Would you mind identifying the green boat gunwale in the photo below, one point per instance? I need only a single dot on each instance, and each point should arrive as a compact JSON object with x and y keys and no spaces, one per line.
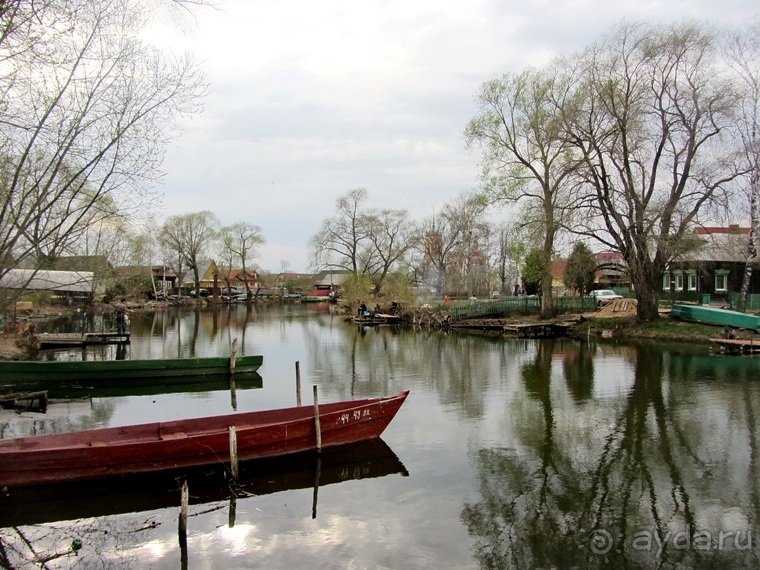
{"x":24,"y":370}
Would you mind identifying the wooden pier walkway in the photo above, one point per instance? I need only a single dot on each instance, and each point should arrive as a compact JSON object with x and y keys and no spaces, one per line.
{"x":12,"y":400}
{"x":546,"y":329}
{"x":543,"y":329}
{"x":737,"y":346}
{"x":75,"y":339}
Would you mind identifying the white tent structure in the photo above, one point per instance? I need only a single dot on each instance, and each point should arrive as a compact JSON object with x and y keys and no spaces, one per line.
{"x":68,"y":283}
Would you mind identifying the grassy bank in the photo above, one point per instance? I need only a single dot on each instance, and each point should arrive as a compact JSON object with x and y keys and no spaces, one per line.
{"x":664,"y":329}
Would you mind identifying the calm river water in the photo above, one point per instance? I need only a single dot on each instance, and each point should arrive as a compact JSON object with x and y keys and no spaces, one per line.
{"x":507,"y":454}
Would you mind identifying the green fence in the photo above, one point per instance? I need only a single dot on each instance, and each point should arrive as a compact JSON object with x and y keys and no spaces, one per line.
{"x":520,"y":305}
{"x":753,"y":302}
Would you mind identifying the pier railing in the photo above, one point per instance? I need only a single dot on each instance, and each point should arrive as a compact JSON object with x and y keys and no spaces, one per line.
{"x":520,"y":305}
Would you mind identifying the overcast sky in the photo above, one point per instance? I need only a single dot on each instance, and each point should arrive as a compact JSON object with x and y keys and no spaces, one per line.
{"x":308,"y":100}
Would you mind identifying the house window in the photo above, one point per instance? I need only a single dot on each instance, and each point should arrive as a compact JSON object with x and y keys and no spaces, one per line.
{"x":721,"y":280}
{"x":679,"y":280}
{"x":691,"y":277}
{"x":666,"y":282}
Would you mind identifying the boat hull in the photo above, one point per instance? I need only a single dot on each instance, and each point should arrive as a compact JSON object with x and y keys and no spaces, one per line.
{"x":169,"y":445}
{"x":95,"y":370}
{"x":722,"y":317}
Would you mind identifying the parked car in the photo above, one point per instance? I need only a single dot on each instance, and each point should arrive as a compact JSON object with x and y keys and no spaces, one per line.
{"x":201,"y":292}
{"x":604,"y":296}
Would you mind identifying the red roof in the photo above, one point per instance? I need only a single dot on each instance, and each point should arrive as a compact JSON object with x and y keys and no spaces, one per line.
{"x":558,"y":268}
{"x":608,"y":256}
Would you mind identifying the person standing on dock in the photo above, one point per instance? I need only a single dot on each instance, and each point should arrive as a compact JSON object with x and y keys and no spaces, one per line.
{"x":121,"y":316}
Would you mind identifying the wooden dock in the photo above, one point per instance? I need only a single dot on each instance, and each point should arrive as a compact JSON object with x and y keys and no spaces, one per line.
{"x":377,"y":319}
{"x":737,"y":346}
{"x":75,"y":339}
{"x":546,"y":329}
{"x":12,"y":400}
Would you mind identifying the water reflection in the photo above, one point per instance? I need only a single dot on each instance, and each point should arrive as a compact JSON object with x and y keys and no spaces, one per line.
{"x":665,"y":475}
{"x":208,"y":484}
{"x":521,"y":453}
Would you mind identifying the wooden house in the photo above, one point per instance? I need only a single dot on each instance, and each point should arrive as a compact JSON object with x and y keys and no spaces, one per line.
{"x":236,"y":279}
{"x":209,"y":276}
{"x":145,"y":279}
{"x":712,"y":267}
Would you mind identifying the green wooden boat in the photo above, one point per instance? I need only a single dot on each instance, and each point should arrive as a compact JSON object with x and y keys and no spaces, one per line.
{"x":721,"y":317}
{"x":93,"y":371}
{"x":120,"y":387}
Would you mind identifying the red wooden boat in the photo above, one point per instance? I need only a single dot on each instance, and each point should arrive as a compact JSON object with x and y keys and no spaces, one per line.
{"x":168,"y":445}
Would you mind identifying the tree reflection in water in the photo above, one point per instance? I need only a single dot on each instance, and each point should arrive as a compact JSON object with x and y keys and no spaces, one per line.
{"x":648,"y":479}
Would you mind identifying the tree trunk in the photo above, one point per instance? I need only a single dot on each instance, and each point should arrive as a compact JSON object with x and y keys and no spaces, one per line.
{"x":751,"y":246}
{"x":645,"y":278}
{"x":197,"y":282}
{"x":248,"y":292}
{"x":547,"y":302}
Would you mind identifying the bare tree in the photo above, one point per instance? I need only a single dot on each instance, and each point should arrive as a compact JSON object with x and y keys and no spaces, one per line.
{"x":511,"y":244}
{"x":242,"y":239}
{"x":87,"y":110}
{"x":651,"y":121}
{"x":339,"y":242}
{"x":391,"y":235}
{"x":189,"y":237}
{"x":448,"y":239}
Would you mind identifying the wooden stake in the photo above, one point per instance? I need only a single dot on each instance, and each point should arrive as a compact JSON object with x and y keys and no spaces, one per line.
{"x":233,"y":356}
{"x":234,"y":453}
{"x":317,"y":425}
{"x":298,"y":383}
{"x":317,"y":474}
{"x":233,"y":511}
{"x":185,"y":500}
{"x":233,"y":392}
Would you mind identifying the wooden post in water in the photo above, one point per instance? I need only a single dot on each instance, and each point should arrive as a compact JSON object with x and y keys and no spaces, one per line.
{"x":182,"y":532}
{"x":233,"y":356}
{"x":234,"y":453}
{"x":317,"y":425}
{"x":184,"y":501}
{"x":298,"y":383}
{"x":317,"y":474}
{"x":233,"y":510}
{"x":233,"y":392}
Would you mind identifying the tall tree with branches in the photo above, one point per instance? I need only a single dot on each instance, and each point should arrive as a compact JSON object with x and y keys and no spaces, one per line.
{"x":526,"y":156}
{"x":189,"y":237}
{"x":390,"y":235}
{"x":742,"y":52}
{"x":652,"y":123}
{"x":447,"y":238}
{"x":87,"y":110}
{"x":243,"y":239}
{"x":339,"y":242}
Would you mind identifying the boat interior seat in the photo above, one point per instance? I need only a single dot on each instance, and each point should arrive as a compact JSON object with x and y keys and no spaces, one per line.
{"x":174,"y":435}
